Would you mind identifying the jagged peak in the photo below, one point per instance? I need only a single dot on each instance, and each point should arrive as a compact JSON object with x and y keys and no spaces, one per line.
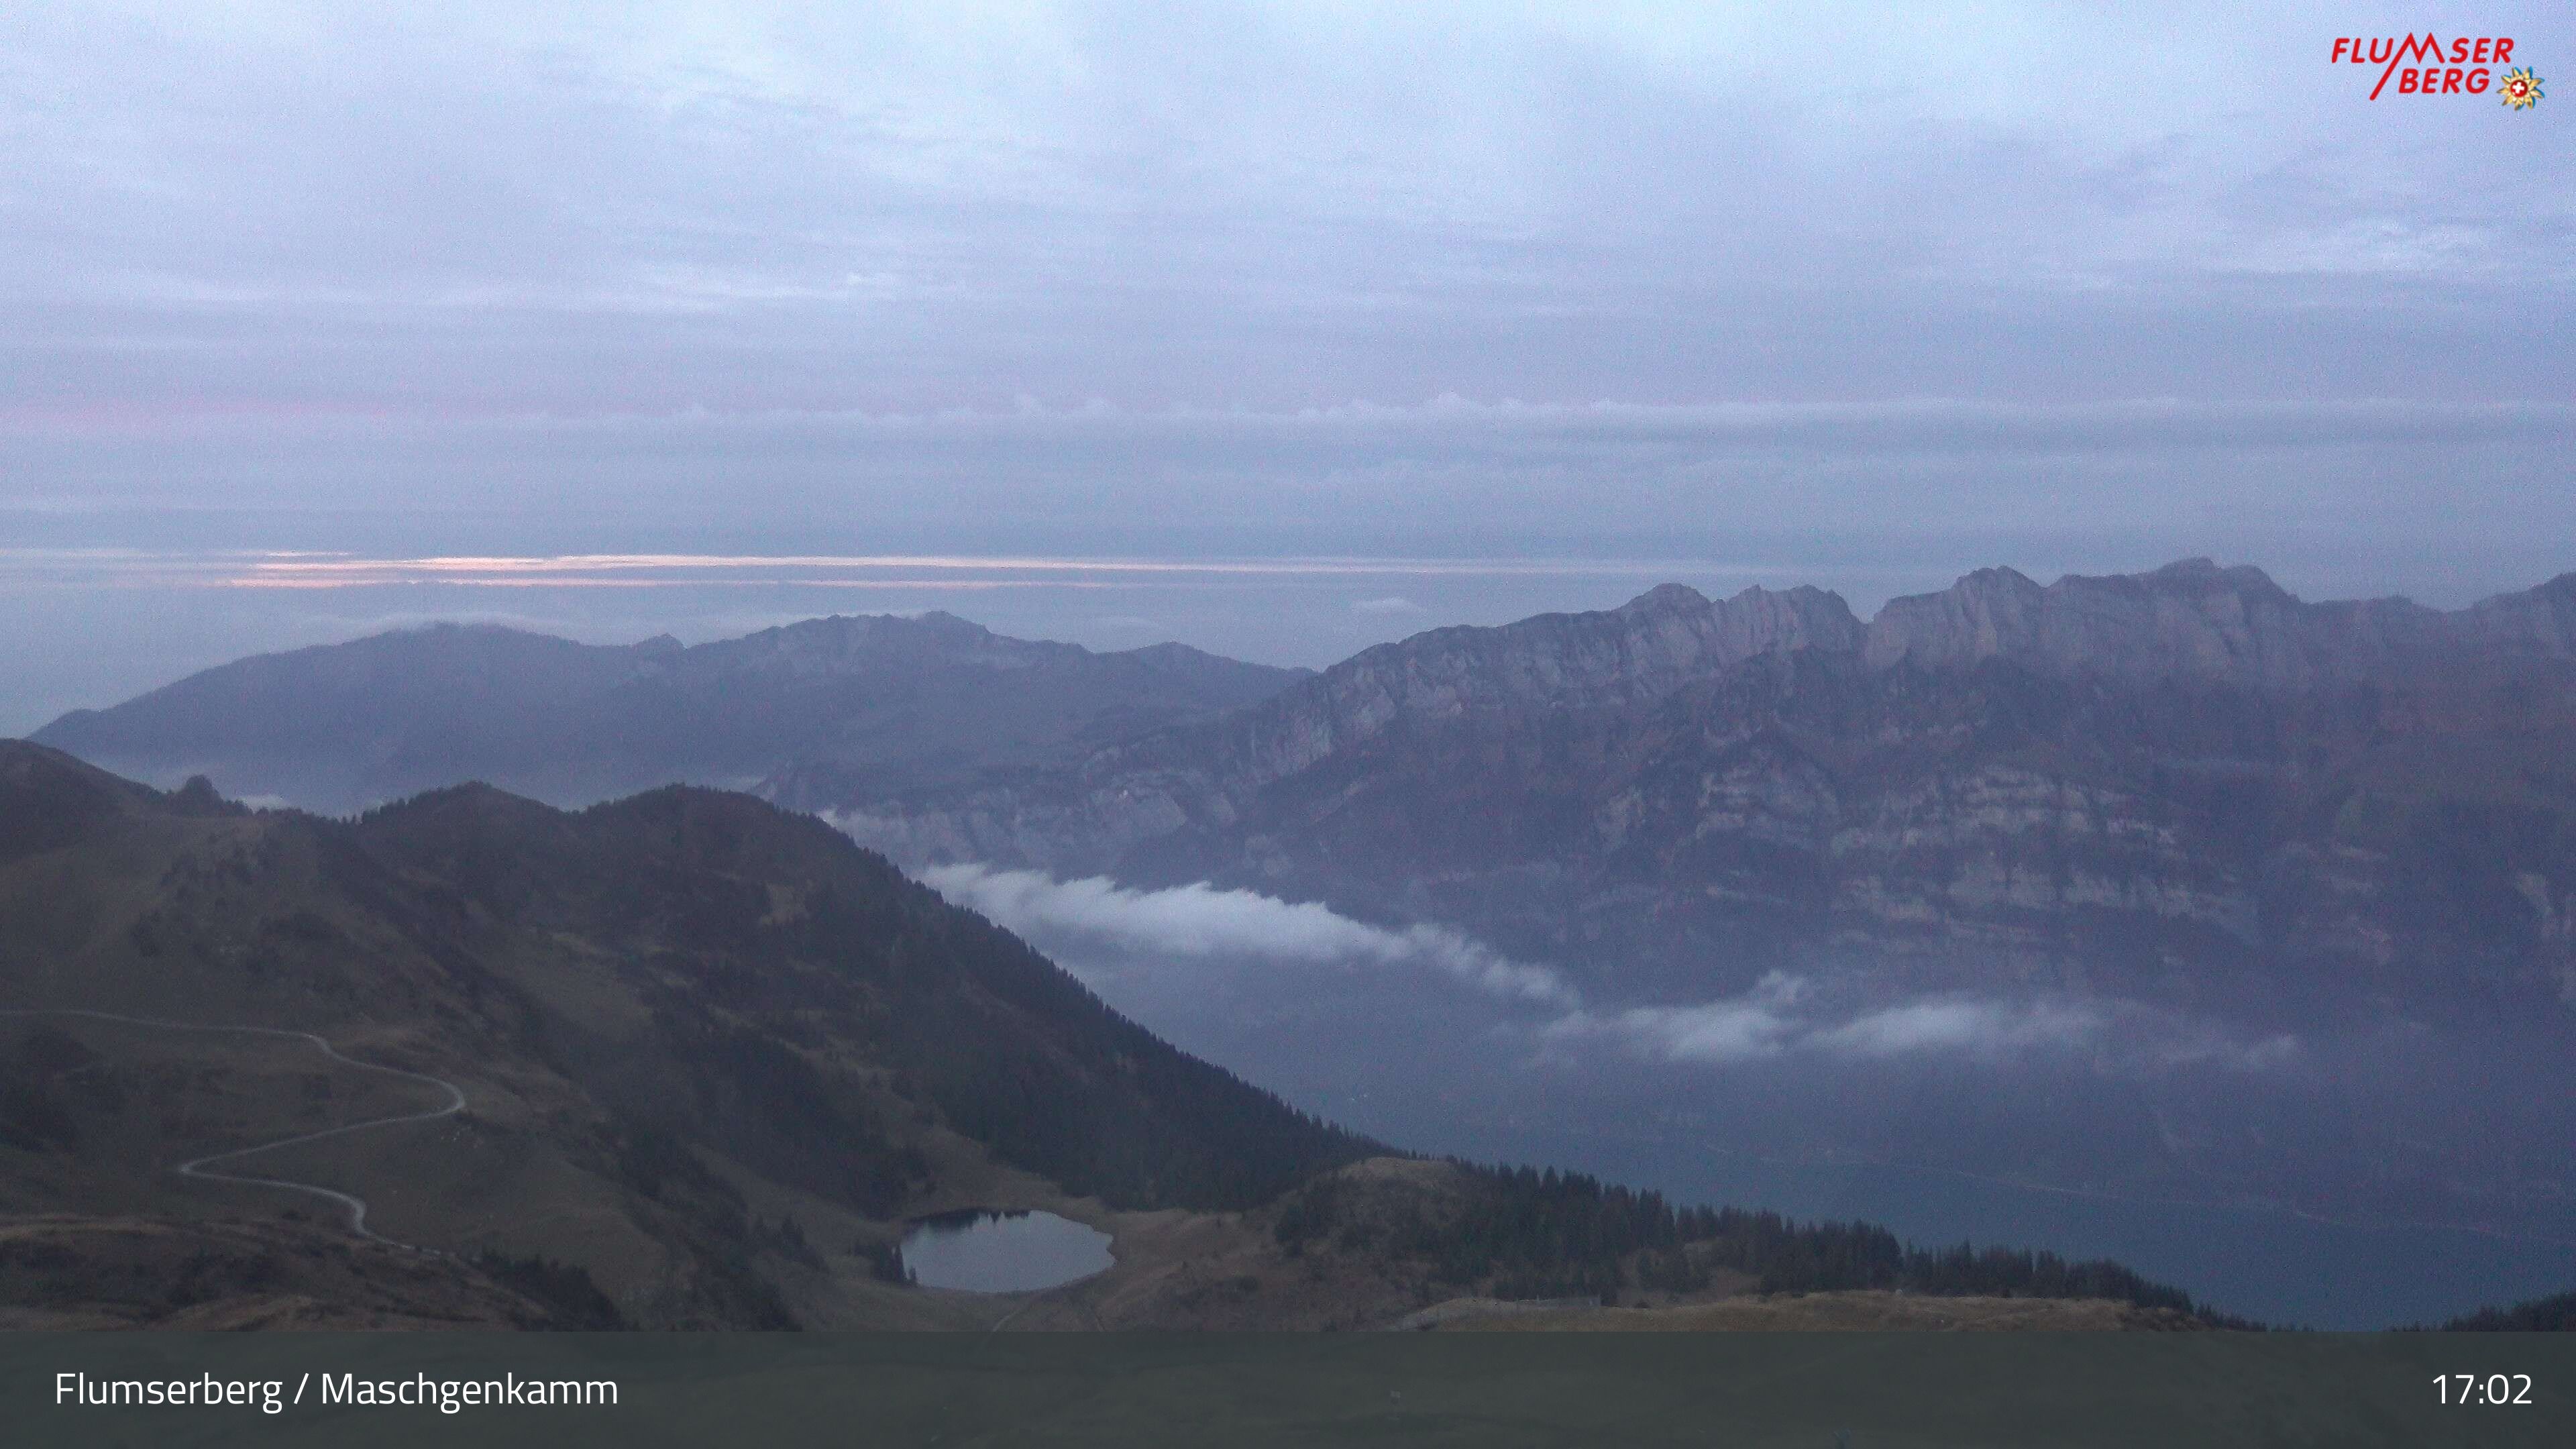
{"x":1765,"y":621}
{"x":2244,"y":578}
{"x":2199,"y":565}
{"x":2198,"y":572}
{"x":1992,"y":577}
{"x":1803,"y":598}
{"x":1801,"y":592}
{"x":1665,"y":598}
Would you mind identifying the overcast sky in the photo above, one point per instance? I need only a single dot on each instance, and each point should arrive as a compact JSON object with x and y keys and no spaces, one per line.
{"x":1569,"y":299}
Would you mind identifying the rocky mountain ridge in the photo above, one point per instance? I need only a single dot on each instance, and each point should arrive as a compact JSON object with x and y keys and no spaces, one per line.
{"x":2184,"y":783}
{"x":2196,"y":621}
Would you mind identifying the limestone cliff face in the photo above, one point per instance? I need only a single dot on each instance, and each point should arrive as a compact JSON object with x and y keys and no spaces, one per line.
{"x":1989,"y":613}
{"x":1206,"y":778}
{"x":1641,"y":651}
{"x":2537,"y":622}
{"x":2187,"y":784}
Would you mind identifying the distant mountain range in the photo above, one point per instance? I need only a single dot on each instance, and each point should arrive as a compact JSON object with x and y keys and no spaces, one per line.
{"x":2186,"y":786}
{"x":879,"y":702}
{"x":2183,"y":785}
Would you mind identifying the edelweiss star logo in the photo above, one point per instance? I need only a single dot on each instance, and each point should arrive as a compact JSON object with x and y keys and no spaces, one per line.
{"x":2520,"y":88}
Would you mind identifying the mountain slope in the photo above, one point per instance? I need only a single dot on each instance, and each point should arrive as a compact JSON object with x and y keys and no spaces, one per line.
{"x":886,"y":700}
{"x":672,"y":1018}
{"x":714,"y":1058}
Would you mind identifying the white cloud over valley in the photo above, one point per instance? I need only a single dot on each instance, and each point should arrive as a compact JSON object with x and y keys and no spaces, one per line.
{"x":1783,"y":1015}
{"x":1200,"y":920}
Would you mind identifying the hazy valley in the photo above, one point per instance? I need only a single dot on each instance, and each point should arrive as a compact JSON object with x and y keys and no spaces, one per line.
{"x":711,"y":1060}
{"x":2154,"y":889}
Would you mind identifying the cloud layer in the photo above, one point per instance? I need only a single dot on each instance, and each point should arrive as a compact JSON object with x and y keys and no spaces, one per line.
{"x":1834,"y":294}
{"x":1198,"y":920}
{"x":1784,"y":1015}
{"x":796,"y":205}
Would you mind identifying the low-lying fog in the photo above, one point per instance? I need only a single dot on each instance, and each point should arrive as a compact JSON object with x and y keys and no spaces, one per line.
{"x":2343,"y":1177}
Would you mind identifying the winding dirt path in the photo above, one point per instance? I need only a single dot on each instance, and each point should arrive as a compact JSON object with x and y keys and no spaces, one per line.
{"x":201,"y":1168}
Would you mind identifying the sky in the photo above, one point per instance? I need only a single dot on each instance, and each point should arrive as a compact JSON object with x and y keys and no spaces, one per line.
{"x":1326,"y":323}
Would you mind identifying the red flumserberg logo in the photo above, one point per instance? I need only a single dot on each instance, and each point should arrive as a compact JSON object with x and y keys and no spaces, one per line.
{"x":2427,"y":65}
